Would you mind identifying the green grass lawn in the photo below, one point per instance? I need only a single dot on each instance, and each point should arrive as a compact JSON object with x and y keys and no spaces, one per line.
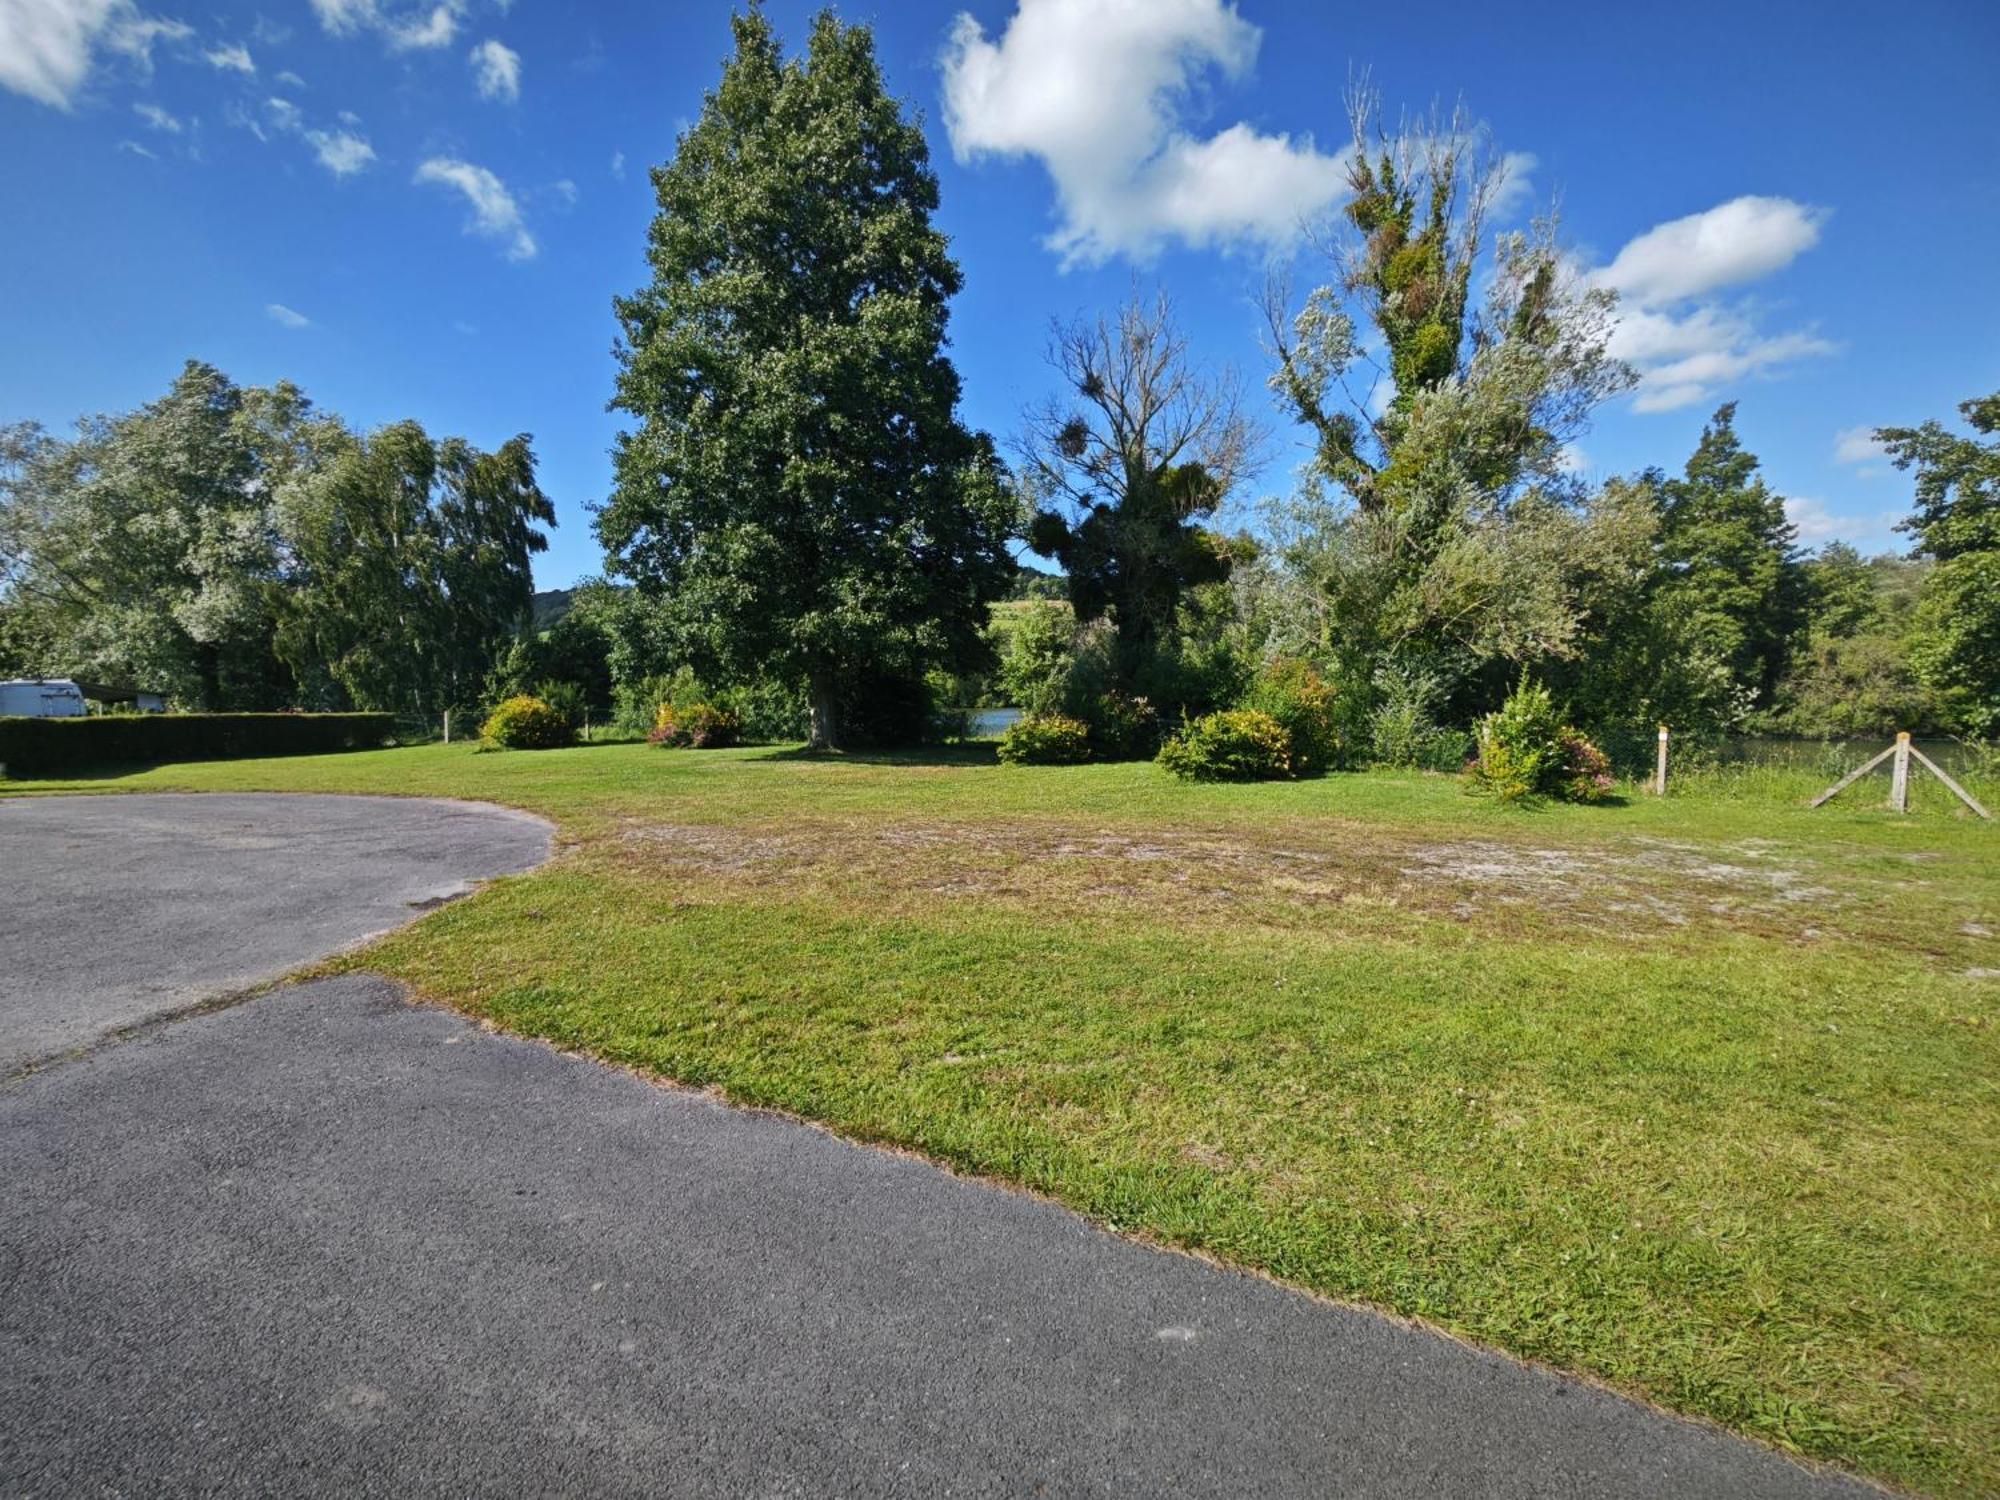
{"x":1699,"y":1096}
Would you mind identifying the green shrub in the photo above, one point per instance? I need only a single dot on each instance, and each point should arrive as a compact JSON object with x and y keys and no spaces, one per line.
{"x":1295,"y":694}
{"x":1240,"y":744}
{"x":1525,"y":750}
{"x":1045,"y":740}
{"x":567,"y":698}
{"x":524,"y":723}
{"x":695,"y":726}
{"x":1122,"y":728}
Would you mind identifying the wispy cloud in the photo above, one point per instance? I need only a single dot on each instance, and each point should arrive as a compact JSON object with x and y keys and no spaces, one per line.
{"x":232,"y":57}
{"x":1858,"y":446}
{"x":285,"y":317}
{"x":157,"y":118}
{"x":1685,"y":341}
{"x":403,"y":31}
{"x":48,"y":47}
{"x":618,"y":165}
{"x":341,"y":152}
{"x":1096,"y":90}
{"x":495,"y":213}
{"x":496,"y":69}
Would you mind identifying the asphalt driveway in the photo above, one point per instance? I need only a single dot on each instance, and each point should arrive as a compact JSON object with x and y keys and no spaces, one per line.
{"x":117,"y":909}
{"x":330,"y":1242}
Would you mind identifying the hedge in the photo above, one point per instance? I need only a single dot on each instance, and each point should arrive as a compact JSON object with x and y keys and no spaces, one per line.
{"x":37,"y":747}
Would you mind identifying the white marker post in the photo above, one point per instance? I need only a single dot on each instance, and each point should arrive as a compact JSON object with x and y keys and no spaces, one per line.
{"x":1660,"y":769}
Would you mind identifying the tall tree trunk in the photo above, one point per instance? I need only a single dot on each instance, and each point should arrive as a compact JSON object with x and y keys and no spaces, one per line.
{"x":825,"y":733}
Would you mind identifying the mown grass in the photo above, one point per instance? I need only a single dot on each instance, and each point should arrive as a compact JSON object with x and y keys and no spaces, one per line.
{"x":1696,"y":1096}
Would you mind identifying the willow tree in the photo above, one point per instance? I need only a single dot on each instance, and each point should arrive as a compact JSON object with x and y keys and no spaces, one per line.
{"x":799,"y":498}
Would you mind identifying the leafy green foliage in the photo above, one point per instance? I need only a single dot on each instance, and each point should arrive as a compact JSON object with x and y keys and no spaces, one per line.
{"x":1525,"y":750}
{"x":1732,"y":565}
{"x":1955,"y":649}
{"x":1957,"y":507}
{"x":233,"y":549}
{"x":1304,"y":704}
{"x":1239,"y":744}
{"x":525,"y":723}
{"x":799,"y":498}
{"x":695,"y":725}
{"x":1045,"y":740}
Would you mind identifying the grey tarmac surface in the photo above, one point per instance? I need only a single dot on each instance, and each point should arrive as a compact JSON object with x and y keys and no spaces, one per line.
{"x":328,"y":1242}
{"x":117,"y":909}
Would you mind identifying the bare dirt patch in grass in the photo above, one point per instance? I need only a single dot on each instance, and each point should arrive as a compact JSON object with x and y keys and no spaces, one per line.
{"x":1638,"y":889}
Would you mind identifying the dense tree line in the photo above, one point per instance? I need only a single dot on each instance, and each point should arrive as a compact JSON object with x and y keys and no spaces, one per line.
{"x":801,"y":523}
{"x":235,"y":548}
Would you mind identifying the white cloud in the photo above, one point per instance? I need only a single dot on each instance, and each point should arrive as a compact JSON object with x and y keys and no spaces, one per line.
{"x":157,"y":118}
{"x":284,"y":317}
{"x":423,"y":32}
{"x":1857,"y":445}
{"x":284,"y":114}
{"x":230,"y":58}
{"x":1817,"y":524}
{"x":291,"y":79}
{"x":341,"y":152}
{"x":1686,"y":344}
{"x":495,"y":213}
{"x":1096,"y":89}
{"x":47,"y":46}
{"x":1734,"y":242}
{"x":345,"y":17}
{"x":137,"y":150}
{"x":412,"y":31}
{"x":618,"y":165}
{"x":496,"y":68}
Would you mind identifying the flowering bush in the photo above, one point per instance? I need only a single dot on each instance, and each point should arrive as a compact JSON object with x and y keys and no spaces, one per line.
{"x":1293,"y":693}
{"x":524,"y":723}
{"x":1586,"y":770}
{"x":1045,"y":740}
{"x":1242,"y":744}
{"x":694,"y":726}
{"x":1525,"y":750}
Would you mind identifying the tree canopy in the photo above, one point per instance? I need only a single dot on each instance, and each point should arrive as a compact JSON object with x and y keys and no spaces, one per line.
{"x":798,"y":495}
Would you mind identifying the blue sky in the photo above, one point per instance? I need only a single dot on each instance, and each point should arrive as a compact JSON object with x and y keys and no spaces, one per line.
{"x":424,"y":209}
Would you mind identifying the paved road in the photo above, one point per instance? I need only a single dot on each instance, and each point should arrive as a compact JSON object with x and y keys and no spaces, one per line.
{"x":328,"y":1242}
{"x":117,"y":909}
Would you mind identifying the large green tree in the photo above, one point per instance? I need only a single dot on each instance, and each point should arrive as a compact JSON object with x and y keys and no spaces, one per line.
{"x":799,"y":496}
{"x":1956,"y":520}
{"x":1733,"y":560}
{"x":408,"y":569}
{"x":143,"y":552}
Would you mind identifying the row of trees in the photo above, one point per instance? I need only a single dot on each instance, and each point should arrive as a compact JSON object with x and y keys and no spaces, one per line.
{"x":800,"y":516}
{"x":799,"y":497}
{"x":239,"y":550}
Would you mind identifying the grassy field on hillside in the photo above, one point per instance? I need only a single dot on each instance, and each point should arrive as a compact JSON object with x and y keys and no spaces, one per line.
{"x":1699,"y":1096}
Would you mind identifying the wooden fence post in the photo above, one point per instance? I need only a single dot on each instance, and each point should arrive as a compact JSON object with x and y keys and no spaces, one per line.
{"x":1660,"y":769}
{"x":447,"y":726}
{"x":1899,"y":774}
